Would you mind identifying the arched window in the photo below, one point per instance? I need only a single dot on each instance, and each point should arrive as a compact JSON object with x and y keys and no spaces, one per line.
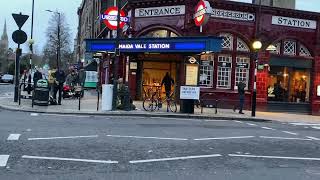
{"x":224,"y":64}
{"x":291,"y":48}
{"x":159,"y":33}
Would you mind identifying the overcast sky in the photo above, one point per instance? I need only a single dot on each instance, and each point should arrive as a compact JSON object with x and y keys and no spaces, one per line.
{"x":69,"y":7}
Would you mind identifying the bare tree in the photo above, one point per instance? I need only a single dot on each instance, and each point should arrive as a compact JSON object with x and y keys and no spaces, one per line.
{"x":52,"y":44}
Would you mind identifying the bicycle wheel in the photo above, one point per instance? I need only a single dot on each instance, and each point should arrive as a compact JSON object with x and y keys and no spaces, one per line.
{"x":149,"y":104}
{"x":172,"y":105}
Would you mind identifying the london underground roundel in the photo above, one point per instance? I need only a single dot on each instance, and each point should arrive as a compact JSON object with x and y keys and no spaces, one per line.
{"x":202,"y":13}
{"x":110,"y":18}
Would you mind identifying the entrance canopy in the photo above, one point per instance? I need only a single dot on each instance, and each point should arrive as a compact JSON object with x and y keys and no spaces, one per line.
{"x":157,"y":45}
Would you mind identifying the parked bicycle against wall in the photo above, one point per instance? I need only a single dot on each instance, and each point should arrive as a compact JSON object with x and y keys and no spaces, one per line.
{"x":153,"y":100}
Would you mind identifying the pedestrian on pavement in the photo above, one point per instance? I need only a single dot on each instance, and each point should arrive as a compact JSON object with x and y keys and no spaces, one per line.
{"x":241,"y":86}
{"x":60,"y":79}
{"x":36,"y":77}
{"x":167,"y":81}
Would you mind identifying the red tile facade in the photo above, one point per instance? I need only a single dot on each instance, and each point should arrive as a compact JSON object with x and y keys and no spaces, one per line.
{"x":248,"y":31}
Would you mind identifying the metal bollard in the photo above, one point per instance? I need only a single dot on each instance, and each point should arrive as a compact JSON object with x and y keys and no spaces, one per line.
{"x":127,"y":104}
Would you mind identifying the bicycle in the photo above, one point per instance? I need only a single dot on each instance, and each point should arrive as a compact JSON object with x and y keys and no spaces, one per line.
{"x":155,"y":101}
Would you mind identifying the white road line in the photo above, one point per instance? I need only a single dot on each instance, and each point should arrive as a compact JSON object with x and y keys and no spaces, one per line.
{"x":34,"y":114}
{"x":313,"y":138}
{"x":67,"y":137}
{"x":70,"y":159}
{"x":285,"y":138}
{"x":267,"y":128}
{"x":275,"y":157}
{"x":3,"y":160}
{"x":305,"y":124}
{"x":14,"y":137}
{"x":65,"y":115}
{"x":175,"y":158}
{"x":288,"y":132}
{"x":316,"y":127}
{"x":221,"y":138}
{"x":216,"y":120}
{"x":239,"y":122}
{"x":250,"y":124}
{"x":143,"y":137}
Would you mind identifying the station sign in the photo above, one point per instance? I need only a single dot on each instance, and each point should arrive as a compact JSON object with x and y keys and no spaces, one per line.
{"x":202,"y":13}
{"x":294,"y":22}
{"x":233,"y":15}
{"x":110,"y":17}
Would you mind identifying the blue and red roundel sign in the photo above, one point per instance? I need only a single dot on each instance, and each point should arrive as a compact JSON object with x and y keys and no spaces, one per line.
{"x":110,"y":18}
{"x":202,"y":13}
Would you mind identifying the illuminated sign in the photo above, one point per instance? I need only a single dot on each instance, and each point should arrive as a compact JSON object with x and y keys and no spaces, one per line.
{"x":160,"y":11}
{"x":202,"y":13}
{"x":110,"y":18}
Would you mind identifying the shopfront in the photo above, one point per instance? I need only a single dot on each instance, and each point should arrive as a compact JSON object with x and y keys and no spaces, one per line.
{"x":150,"y":59}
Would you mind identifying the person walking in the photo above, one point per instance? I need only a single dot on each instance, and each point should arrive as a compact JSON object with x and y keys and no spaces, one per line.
{"x":60,"y":79}
{"x":36,"y":77}
{"x":241,"y":86}
{"x":167,"y":81}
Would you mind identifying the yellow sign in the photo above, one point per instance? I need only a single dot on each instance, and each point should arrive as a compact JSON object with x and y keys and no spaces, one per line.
{"x":192,"y":74}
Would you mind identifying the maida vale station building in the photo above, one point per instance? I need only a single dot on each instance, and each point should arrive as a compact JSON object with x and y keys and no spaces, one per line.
{"x":288,"y":66}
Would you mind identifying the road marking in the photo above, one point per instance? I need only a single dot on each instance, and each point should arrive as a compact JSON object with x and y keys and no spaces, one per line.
{"x":285,"y":138}
{"x":67,"y":137}
{"x":250,"y":124}
{"x":176,"y":119}
{"x":239,"y":122}
{"x":275,"y":157}
{"x":34,"y":114}
{"x":143,"y":137}
{"x":288,"y":132}
{"x":216,"y":120}
{"x":65,"y":115}
{"x":3,"y":160}
{"x":316,"y":127}
{"x":313,"y":138}
{"x":14,"y":137}
{"x":70,"y":159}
{"x":175,"y":158}
{"x":267,"y":128}
{"x":305,"y":124}
{"x":221,"y":138}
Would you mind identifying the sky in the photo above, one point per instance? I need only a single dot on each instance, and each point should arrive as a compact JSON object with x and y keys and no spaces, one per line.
{"x":69,"y":7}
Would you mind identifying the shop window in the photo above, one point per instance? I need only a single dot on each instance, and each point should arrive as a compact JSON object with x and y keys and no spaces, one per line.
{"x":304,"y":51}
{"x":289,"y":47}
{"x":224,"y":71}
{"x":277,"y":50}
{"x":206,"y":70}
{"x":227,"y":41}
{"x":242,"y":70}
{"x":242,"y":46}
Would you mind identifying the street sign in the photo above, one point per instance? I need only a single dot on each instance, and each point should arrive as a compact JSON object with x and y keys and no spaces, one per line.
{"x":19,"y":37}
{"x":20,"y":19}
{"x":110,"y":17}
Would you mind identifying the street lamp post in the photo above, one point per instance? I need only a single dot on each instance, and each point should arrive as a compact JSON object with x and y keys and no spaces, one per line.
{"x":31,"y":41}
{"x":257,"y":45}
{"x":58,"y":43}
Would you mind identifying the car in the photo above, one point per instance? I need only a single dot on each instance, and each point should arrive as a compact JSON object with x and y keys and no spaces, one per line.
{"x":7,"y":78}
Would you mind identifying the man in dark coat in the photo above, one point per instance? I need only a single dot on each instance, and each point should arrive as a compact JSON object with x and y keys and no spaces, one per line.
{"x":167,"y":81}
{"x":241,"y":90}
{"x":60,"y":79}
{"x":36,"y":77}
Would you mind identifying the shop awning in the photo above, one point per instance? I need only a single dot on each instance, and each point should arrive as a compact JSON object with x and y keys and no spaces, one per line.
{"x":291,"y":62}
{"x":157,"y":45}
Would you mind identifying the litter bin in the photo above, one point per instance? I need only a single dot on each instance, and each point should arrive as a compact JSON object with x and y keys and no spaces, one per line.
{"x":187,"y":106}
{"x":41,"y":93}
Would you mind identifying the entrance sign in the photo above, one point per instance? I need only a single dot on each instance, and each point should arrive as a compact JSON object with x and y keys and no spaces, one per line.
{"x":190,"y":92}
{"x":202,"y":13}
{"x":110,"y":18}
{"x":294,"y":22}
{"x":160,"y":11}
{"x":166,"y":45}
{"x":234,"y":15}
